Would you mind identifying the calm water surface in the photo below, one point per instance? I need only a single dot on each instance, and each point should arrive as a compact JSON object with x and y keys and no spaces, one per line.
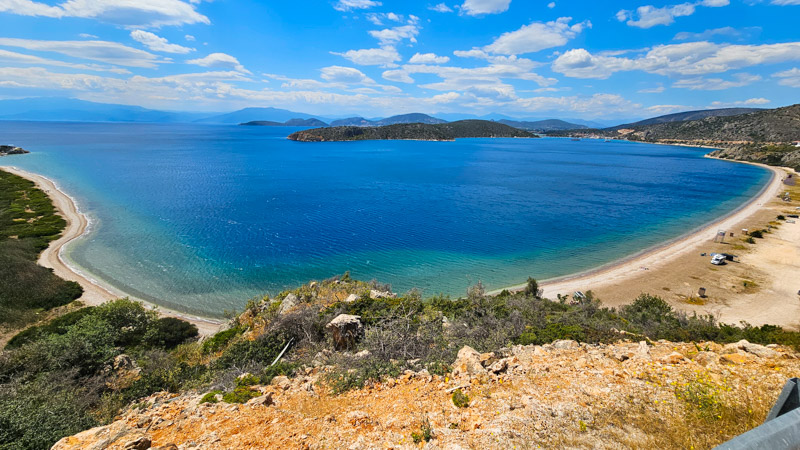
{"x":200,"y":218}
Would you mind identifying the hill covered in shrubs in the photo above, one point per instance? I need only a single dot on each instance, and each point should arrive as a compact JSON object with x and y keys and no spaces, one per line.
{"x":412,"y":131}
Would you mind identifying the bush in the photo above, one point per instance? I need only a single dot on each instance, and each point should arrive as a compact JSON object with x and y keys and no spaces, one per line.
{"x":781,"y":217}
{"x":221,"y":340}
{"x":757,"y":234}
{"x":211,"y":397}
{"x":240,"y":394}
{"x":169,"y":332}
{"x":460,"y":399}
{"x":59,"y":325}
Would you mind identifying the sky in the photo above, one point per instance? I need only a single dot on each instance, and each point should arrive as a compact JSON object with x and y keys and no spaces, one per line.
{"x":522,"y":58}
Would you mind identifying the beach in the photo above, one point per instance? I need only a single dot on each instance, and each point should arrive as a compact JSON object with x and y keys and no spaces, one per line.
{"x":94,"y":293}
{"x":676,"y":270}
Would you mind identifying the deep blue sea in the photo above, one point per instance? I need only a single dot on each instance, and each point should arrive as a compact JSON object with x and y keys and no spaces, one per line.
{"x":201,"y":218}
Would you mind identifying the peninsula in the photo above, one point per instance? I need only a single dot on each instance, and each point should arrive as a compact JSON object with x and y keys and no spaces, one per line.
{"x":6,"y":150}
{"x":412,"y":131}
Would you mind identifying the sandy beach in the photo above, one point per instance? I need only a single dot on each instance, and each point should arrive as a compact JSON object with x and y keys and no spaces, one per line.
{"x":94,"y":293}
{"x":675,"y":270}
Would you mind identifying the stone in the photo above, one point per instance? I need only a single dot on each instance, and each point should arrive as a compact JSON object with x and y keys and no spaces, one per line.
{"x":169,"y":446}
{"x":499,"y":366}
{"x":357,"y":418}
{"x":363,"y":354}
{"x":705,"y":359}
{"x":643,"y":350}
{"x":346,"y":330}
{"x":735,"y":358}
{"x":468,"y":362}
{"x":264,"y":400}
{"x":673,"y":358}
{"x":755,"y":349}
{"x":140,"y":443}
{"x":289,"y":302}
{"x":282,"y":382}
{"x":565,"y":344}
{"x":374,"y":294}
{"x":351,"y":298}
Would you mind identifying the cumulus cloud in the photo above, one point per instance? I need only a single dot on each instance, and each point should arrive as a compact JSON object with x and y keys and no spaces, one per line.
{"x":537,"y":36}
{"x":716,"y":84}
{"x":219,"y":61}
{"x":481,"y":7}
{"x":104,"y":51}
{"x":428,"y":58}
{"x":441,"y":7}
{"x":551,"y":5}
{"x":347,"y":5}
{"x":21,"y":58}
{"x":789,"y":77}
{"x":728,"y":32}
{"x":399,"y":76}
{"x":383,"y":56}
{"x":157,"y":43}
{"x":691,"y":58}
{"x":389,"y":36}
{"x":348,"y":75}
{"x":189,"y":38}
{"x":649,"y":16}
{"x":139,"y":13}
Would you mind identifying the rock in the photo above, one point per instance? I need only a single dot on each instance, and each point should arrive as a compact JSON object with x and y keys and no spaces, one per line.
{"x":643,"y":350}
{"x":282,"y":382}
{"x":755,"y":349}
{"x":11,"y":150}
{"x":140,"y":443}
{"x":289,"y":302}
{"x":264,"y":400}
{"x":468,"y":362}
{"x":346,"y":330}
{"x":363,"y":354}
{"x":673,"y":358}
{"x":735,"y":358}
{"x":622,"y":354}
{"x":169,"y":446}
{"x":565,"y":344}
{"x":706,"y":358}
{"x":499,"y":366}
{"x":357,"y":418}
{"x":351,"y":298}
{"x":373,"y":294}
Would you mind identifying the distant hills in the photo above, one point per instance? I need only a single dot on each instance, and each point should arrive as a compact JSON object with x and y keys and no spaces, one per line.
{"x":57,"y":109}
{"x":542,"y":125}
{"x":289,"y":123}
{"x":255,"y":115}
{"x":408,"y":131}
{"x":403,"y":118}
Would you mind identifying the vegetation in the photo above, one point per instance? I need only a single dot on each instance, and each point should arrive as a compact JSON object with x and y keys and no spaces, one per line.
{"x":28,"y":223}
{"x":460,"y":399}
{"x":421,"y":131}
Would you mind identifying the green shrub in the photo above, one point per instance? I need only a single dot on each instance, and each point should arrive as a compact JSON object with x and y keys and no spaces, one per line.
{"x":240,"y":394}
{"x":247,"y":380}
{"x":220,"y":340}
{"x":781,"y":217}
{"x":211,"y":397}
{"x":424,"y":434}
{"x":757,"y":234}
{"x":460,"y":399}
{"x":280,"y":368}
{"x":750,"y":240}
{"x":169,"y":332}
{"x":59,"y":325}
{"x":356,"y":374}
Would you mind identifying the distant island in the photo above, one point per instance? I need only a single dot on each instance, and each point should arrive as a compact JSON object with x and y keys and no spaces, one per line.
{"x":6,"y":150}
{"x":412,"y":131}
{"x":289,"y":123}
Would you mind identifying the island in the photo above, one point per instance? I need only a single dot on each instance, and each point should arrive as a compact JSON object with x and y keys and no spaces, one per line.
{"x":412,"y":131}
{"x":6,"y":150}
{"x":288,"y":123}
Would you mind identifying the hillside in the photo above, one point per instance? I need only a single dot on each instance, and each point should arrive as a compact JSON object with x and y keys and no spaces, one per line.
{"x":690,"y":115}
{"x":394,"y":120}
{"x":289,"y":123}
{"x":73,"y":110}
{"x":417,"y":131}
{"x":542,"y":125}
{"x":255,"y":114}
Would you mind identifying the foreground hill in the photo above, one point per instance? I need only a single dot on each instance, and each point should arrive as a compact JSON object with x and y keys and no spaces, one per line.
{"x":690,"y":115}
{"x":412,"y":131}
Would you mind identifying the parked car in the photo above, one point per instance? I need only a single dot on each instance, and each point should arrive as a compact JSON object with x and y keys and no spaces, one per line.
{"x":718,"y":259}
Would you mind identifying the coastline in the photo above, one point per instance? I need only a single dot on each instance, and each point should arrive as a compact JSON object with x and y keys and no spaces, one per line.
{"x":661,"y":254}
{"x":78,"y":225}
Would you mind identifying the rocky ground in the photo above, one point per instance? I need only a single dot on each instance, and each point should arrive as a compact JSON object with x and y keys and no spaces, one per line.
{"x":564,"y":394}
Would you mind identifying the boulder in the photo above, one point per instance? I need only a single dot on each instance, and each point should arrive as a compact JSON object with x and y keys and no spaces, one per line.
{"x":282,"y":382}
{"x":755,"y":349}
{"x":565,"y":344}
{"x":264,"y":400}
{"x":705,"y":359}
{"x":673,"y":358}
{"x":351,"y":298}
{"x":735,"y":358}
{"x":140,"y":443}
{"x":374,"y":294}
{"x":643,"y":350}
{"x":346,"y":330}
{"x":289,"y":302}
{"x":468,"y":363}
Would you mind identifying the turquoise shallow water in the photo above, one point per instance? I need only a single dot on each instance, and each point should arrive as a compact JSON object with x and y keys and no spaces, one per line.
{"x":200,"y":218}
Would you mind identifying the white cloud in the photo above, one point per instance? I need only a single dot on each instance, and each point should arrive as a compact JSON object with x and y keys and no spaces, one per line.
{"x":654,"y":90}
{"x":428,"y":58}
{"x":219,"y":61}
{"x":716,"y":84}
{"x":537,"y":36}
{"x":480,"y":7}
{"x":441,"y":7}
{"x":785,"y":2}
{"x":346,"y":75}
{"x":394,"y":35}
{"x":789,"y":77}
{"x":649,"y":16}
{"x":551,"y":5}
{"x":347,"y":5}
{"x":749,"y":102}
{"x":104,"y":51}
{"x":384,"y":56}
{"x":87,"y":36}
{"x":730,"y":32}
{"x":399,"y":76}
{"x":20,"y":58}
{"x":157,"y":43}
{"x":691,"y":58}
{"x":378,"y":18}
{"x":138,"y":13}
{"x":189,"y":38}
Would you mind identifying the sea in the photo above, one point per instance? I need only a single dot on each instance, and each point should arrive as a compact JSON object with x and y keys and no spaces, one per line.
{"x":201,"y":218}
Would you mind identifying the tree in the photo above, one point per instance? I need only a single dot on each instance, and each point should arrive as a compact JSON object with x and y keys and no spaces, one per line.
{"x":532,"y":289}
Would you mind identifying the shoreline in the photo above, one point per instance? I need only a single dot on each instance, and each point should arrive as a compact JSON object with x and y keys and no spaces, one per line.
{"x":663,"y":253}
{"x":79,"y":225}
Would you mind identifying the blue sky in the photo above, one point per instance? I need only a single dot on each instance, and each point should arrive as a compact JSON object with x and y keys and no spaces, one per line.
{"x":581,"y":59}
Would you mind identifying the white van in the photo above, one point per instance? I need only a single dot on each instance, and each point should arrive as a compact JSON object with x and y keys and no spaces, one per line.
{"x":717,"y":259}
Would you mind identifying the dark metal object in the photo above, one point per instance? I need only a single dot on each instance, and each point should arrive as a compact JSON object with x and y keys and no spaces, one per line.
{"x":781,"y":429}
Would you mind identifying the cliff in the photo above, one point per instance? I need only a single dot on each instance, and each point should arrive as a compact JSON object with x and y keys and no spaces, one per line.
{"x":416,"y":131}
{"x":11,"y":150}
